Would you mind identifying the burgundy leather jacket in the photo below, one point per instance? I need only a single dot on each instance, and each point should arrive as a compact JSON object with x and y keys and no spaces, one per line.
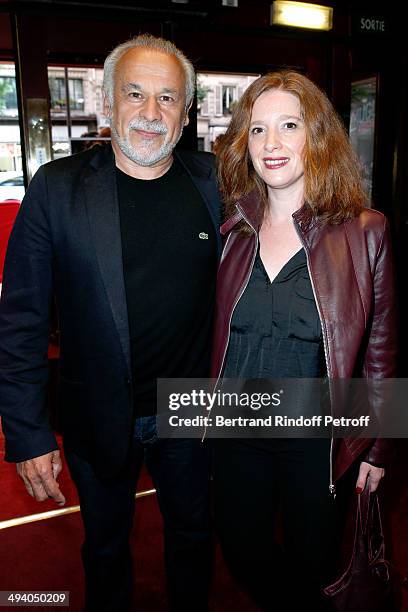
{"x":351,"y":271}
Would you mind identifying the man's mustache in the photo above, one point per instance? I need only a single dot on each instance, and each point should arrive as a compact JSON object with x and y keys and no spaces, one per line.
{"x":157,"y":127}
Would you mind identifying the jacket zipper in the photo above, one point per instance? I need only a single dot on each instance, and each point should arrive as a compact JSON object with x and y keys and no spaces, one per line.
{"x":233,"y":309}
{"x":332,"y":486}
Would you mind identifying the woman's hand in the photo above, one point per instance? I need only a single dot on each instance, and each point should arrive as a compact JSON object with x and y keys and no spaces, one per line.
{"x":370,"y":472}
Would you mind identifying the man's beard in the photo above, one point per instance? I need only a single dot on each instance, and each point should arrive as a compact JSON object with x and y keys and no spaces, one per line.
{"x":145,"y":154}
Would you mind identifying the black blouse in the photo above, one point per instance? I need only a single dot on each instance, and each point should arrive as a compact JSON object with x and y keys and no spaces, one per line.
{"x":275,"y":328}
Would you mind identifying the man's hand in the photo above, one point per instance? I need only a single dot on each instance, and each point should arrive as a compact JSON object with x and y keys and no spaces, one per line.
{"x":40,"y":477}
{"x":368,"y":474}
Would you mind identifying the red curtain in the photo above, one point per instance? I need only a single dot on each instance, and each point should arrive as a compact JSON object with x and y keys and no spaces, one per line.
{"x":8,"y":212}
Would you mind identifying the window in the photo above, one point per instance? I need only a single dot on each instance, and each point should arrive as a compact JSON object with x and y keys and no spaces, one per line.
{"x":8,"y":94}
{"x":58,"y":93}
{"x":73,"y":124}
{"x":10,"y":149}
{"x":217,"y":95}
{"x":229,"y":95}
{"x":76,"y":94}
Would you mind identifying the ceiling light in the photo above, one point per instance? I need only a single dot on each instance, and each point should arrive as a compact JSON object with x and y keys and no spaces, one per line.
{"x":301,"y":15}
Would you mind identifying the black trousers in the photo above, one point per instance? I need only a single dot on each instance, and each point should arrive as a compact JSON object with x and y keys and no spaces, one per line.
{"x":278,"y":525}
{"x":180,"y":472}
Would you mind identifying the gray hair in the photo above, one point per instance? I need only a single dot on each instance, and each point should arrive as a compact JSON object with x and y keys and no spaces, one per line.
{"x":147,"y":41}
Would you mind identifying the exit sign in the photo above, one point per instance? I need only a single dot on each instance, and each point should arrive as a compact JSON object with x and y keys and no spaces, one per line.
{"x":370,"y":24}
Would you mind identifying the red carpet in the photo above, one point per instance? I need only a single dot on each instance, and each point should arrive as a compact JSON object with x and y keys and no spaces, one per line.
{"x":45,"y":555}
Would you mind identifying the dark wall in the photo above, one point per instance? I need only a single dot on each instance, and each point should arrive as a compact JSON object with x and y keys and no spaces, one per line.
{"x":6,"y":41}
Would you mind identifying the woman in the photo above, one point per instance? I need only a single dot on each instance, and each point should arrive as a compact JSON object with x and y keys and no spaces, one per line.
{"x":305,"y":291}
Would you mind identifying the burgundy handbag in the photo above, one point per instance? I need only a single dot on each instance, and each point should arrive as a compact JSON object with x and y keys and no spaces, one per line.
{"x":366,"y":583}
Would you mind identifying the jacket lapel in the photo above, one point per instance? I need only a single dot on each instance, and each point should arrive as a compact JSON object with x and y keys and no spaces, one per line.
{"x":203,"y":177}
{"x":103,"y":212}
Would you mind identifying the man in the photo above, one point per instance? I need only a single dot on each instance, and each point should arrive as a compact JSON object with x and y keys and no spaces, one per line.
{"x":127,"y":241}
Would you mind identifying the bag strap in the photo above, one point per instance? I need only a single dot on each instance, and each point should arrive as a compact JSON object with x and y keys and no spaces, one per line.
{"x":370,"y":517}
{"x":363,"y":543}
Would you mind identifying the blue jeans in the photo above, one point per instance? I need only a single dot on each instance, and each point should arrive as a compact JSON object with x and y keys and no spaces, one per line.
{"x":180,"y":472}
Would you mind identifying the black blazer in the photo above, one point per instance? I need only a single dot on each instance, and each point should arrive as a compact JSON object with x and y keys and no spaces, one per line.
{"x":66,"y":241}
